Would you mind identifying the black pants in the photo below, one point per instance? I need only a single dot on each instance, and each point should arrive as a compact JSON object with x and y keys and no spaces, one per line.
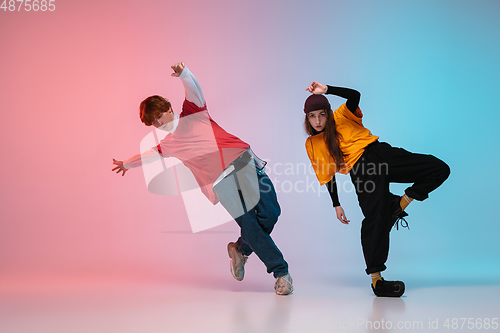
{"x":380,"y":165}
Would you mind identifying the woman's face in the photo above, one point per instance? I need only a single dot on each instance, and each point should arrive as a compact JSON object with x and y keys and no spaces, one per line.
{"x":317,"y":119}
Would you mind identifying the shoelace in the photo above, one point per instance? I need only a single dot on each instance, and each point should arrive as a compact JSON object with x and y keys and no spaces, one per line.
{"x":404,"y":223}
{"x":244,"y":261}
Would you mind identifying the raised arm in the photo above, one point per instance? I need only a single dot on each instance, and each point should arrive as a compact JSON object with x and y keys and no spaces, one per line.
{"x":194,"y":94}
{"x":352,"y":96}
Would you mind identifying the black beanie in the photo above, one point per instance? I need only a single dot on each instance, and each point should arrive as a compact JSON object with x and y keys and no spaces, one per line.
{"x":316,"y":102}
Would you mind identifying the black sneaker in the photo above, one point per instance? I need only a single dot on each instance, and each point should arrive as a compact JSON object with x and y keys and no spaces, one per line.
{"x":398,"y":215}
{"x":385,"y":288}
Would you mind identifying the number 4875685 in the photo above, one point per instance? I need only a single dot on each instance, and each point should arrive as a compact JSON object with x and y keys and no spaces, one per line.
{"x":28,"y":5}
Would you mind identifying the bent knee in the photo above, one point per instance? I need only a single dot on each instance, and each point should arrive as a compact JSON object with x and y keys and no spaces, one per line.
{"x":445,"y":170}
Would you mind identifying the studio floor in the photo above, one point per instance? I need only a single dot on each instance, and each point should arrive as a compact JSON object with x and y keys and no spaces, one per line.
{"x":118,"y":306}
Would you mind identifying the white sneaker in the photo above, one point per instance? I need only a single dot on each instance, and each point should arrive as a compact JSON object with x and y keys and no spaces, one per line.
{"x":283,"y":285}
{"x":238,"y":261}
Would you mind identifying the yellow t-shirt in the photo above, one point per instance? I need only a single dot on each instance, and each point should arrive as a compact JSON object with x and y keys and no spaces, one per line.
{"x":354,"y":138}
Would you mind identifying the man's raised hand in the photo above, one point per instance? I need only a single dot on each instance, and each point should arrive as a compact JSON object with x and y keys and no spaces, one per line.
{"x":178,"y":68}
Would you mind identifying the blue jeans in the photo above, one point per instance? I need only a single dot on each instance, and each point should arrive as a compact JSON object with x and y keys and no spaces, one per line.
{"x":256,"y":223}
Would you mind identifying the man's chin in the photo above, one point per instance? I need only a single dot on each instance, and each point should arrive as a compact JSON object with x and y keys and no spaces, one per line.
{"x":166,"y":127}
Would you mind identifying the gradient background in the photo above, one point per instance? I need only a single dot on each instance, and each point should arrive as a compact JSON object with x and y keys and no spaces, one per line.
{"x":72,"y":81}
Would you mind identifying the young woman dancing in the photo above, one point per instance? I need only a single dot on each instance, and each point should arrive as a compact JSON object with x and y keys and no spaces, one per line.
{"x":338,"y":142}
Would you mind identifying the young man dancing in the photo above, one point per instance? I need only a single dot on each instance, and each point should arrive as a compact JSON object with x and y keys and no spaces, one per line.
{"x":225,"y":169}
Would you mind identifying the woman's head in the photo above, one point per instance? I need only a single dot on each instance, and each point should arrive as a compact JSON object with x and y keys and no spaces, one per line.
{"x":316,"y":121}
{"x":319,"y":114}
{"x":319,"y":119}
{"x":316,"y":109}
{"x":316,"y":102}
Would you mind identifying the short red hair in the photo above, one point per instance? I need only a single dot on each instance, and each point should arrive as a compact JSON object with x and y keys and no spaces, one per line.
{"x":152,"y":108}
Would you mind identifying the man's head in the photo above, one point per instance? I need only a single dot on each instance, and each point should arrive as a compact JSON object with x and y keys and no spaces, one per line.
{"x":156,"y":111}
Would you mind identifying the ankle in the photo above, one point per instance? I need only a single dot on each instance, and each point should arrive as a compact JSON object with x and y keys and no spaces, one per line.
{"x":405,"y":201}
{"x":375,"y":277}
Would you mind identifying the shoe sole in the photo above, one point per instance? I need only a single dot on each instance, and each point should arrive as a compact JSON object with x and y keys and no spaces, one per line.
{"x":284,"y":294}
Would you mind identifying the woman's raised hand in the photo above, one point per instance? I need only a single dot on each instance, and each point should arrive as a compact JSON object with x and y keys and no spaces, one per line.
{"x":317,"y":88}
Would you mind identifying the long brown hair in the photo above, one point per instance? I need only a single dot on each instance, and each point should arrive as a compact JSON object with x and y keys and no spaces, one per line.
{"x":331,"y":136}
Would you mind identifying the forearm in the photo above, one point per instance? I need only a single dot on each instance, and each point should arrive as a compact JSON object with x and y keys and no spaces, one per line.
{"x":352,"y":96}
{"x":332,"y":190}
{"x":194,"y":94}
{"x":138,"y":160}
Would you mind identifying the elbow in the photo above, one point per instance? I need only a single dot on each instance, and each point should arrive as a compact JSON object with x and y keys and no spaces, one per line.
{"x":356,"y":95}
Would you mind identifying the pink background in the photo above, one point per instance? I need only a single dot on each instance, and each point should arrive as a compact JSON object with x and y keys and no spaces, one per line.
{"x":72,"y":81}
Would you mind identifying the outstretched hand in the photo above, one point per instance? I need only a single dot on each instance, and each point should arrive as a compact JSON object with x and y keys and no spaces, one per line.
{"x":341,"y":215}
{"x":178,"y":68}
{"x":119,"y":167}
{"x":317,"y":88}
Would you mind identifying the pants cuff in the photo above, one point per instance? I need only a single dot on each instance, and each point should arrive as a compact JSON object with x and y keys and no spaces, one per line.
{"x":416,"y":196}
{"x":376,"y":269}
{"x":243,"y":247}
{"x":280,"y":273}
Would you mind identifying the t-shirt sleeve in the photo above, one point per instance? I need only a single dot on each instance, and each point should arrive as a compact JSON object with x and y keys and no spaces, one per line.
{"x":320,"y":166}
{"x":356,"y":116}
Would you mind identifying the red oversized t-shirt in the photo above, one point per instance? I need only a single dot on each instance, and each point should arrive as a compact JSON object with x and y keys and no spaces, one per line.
{"x":203,"y":146}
